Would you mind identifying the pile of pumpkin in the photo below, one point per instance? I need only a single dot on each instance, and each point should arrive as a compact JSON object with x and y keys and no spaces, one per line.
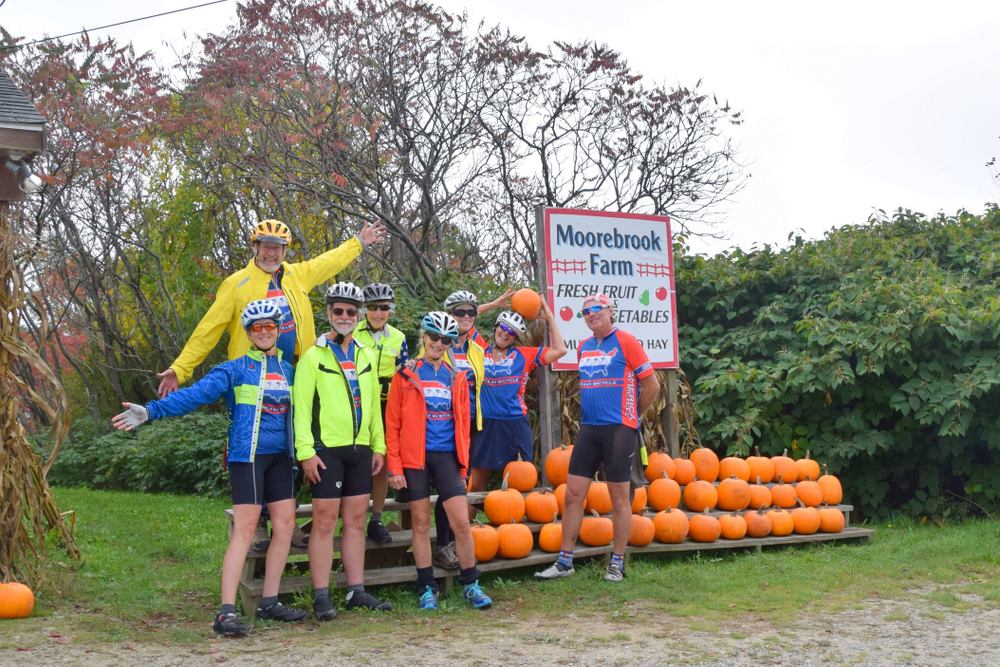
{"x":785,"y":496}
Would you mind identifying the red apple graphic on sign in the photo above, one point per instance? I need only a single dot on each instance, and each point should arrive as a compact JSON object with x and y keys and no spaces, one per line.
{"x":661,"y":293}
{"x":566,"y":313}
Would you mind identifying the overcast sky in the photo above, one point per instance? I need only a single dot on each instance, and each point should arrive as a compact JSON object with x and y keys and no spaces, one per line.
{"x":848,"y":107}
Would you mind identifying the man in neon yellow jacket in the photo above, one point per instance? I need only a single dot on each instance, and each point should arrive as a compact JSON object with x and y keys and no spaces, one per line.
{"x":267,"y":276}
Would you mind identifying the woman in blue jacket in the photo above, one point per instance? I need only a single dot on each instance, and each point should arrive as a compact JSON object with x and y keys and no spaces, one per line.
{"x":257,"y":387}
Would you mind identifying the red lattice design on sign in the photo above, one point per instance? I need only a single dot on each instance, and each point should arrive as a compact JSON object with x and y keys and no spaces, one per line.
{"x":657,"y":270}
{"x":568,"y":266}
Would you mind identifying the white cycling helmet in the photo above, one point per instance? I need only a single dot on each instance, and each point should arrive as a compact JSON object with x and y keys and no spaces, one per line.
{"x":344,"y":293}
{"x":439,"y":323}
{"x":513,"y":320}
{"x":460,"y":297}
{"x":258,"y":310}
{"x":378,"y":292}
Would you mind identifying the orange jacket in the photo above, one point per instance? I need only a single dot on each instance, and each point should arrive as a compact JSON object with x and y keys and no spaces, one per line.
{"x":406,"y":421}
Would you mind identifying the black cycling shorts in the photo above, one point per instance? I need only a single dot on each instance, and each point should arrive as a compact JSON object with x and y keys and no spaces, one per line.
{"x":268,"y":479}
{"x":441,"y":470}
{"x":613,"y":445}
{"x":348,"y":472}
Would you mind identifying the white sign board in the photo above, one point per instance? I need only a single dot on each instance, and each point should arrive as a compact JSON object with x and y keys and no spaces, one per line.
{"x":629,"y":257}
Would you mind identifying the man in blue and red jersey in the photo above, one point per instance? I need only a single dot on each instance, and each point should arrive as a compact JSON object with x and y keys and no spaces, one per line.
{"x":617,"y":384}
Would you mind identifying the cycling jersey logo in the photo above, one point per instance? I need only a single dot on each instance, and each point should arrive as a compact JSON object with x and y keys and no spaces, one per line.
{"x":503,"y":367}
{"x":437,"y":395}
{"x":275,"y":399}
{"x":596,"y":362}
{"x":350,"y":372}
{"x":462,"y":362}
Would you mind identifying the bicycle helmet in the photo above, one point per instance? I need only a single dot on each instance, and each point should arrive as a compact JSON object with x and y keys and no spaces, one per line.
{"x":460,"y":297}
{"x":258,"y":310}
{"x":513,"y":320}
{"x":439,"y":323}
{"x":344,"y":293}
{"x":378,"y":292}
{"x":271,"y":231}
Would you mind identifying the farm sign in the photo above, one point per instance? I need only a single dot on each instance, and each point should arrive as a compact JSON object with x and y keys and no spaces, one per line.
{"x":626,"y":256}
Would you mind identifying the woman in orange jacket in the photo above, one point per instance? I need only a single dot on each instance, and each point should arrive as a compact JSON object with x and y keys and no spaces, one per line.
{"x":427,"y":442}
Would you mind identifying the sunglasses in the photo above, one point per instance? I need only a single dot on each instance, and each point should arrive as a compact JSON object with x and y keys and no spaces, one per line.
{"x":437,"y":338}
{"x":507,"y":329}
{"x":596,"y":308}
{"x":350,"y":312}
{"x":258,"y":327}
{"x":471,"y":312}
{"x":384,"y":307}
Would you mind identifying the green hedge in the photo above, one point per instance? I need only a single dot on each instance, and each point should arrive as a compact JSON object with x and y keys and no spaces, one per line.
{"x":876,"y":347}
{"x":179,"y":455}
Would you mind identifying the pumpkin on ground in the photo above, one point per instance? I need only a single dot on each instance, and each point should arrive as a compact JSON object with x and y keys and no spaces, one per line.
{"x":761,"y":468}
{"x":704,"y":527}
{"x":760,"y":496}
{"x":758,"y":523}
{"x":808,"y":468}
{"x":663,"y":493}
{"x":550,"y":537}
{"x":831,"y":520}
{"x":639,"y":499}
{"x":541,"y":506}
{"x":560,"y":494}
{"x":671,"y":526}
{"x":515,"y":540}
{"x":596,"y":531}
{"x":557,"y":465}
{"x":833,"y":492}
{"x":521,"y":475}
{"x":486,"y":541}
{"x":783,"y":495}
{"x":598,"y":498}
{"x":785,"y":468}
{"x":810,"y":493}
{"x":659,"y":463}
{"x":734,"y":466}
{"x":683,"y":471}
{"x":16,"y":600}
{"x":504,"y":505}
{"x":734,"y":494}
{"x":733,"y":526}
{"x":781,"y":522}
{"x":700,"y":495}
{"x":642,"y":531}
{"x":706,"y":464}
{"x":805,"y":519}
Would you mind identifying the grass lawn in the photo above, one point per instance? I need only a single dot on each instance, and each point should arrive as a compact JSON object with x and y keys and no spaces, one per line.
{"x":150,"y":571}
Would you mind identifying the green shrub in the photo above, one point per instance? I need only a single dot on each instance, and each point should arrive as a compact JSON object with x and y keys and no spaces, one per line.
{"x":179,"y":455}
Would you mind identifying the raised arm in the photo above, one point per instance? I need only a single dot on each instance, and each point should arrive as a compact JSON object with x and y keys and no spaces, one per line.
{"x":557,"y":344}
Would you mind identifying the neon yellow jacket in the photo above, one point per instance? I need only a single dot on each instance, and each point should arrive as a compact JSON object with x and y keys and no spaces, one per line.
{"x":390,"y":351}
{"x":250,"y":283}
{"x":320,"y":384}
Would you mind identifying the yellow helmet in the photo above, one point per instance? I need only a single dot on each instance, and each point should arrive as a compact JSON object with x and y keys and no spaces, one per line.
{"x":271,"y":231}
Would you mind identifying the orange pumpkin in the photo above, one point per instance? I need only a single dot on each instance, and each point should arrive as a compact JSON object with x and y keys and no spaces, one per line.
{"x":704,"y":527}
{"x":758,"y":524}
{"x":16,"y":600}
{"x":734,"y":466}
{"x":700,"y":495}
{"x":683,"y":471}
{"x":504,"y":505}
{"x":642,"y":531}
{"x":515,"y":540}
{"x":781,"y":522}
{"x":663,"y":493}
{"x":734,"y":494}
{"x":550,"y":537}
{"x":761,"y":468}
{"x":810,"y":493}
{"x":598,"y":498}
{"x":560,"y":494}
{"x":526,"y":303}
{"x":760,"y":496}
{"x":785,"y":468}
{"x":671,"y":526}
{"x":783,"y":495}
{"x":541,"y":506}
{"x":557,"y":465}
{"x":805,"y":520}
{"x":659,"y":463}
{"x":831,"y":520}
{"x":521,"y":475}
{"x":733,"y":526}
{"x":486,"y":541}
{"x":706,"y":464}
{"x":639,"y":499}
{"x":596,"y":531}
{"x":833,"y":492}
{"x":808,"y":468}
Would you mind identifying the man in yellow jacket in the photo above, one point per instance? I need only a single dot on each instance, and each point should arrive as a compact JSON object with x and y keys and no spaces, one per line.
{"x":267,"y":276}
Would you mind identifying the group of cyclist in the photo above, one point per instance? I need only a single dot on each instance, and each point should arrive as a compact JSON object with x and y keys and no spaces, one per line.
{"x":367,"y":416}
